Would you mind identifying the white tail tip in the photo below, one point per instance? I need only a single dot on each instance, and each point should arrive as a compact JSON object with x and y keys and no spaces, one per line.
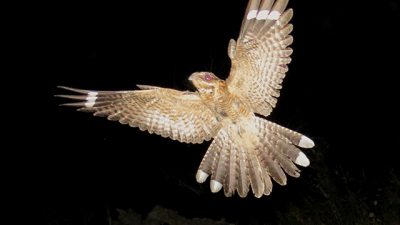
{"x":302,"y":160}
{"x":201,"y":176}
{"x":215,"y":186}
{"x":306,"y":142}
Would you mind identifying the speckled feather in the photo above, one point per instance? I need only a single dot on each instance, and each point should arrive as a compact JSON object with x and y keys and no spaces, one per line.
{"x":246,"y":151}
{"x":158,"y":110}
{"x":260,"y":56}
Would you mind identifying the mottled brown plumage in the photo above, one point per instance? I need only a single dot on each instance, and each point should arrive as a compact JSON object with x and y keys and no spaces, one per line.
{"x":247,"y":150}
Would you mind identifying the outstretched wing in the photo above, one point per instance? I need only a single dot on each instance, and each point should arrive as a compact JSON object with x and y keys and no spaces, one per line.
{"x":170,"y":113}
{"x":261,"y":54}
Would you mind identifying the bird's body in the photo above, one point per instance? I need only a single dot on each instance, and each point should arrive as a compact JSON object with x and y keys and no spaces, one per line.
{"x":246,"y":150}
{"x":230,"y":108}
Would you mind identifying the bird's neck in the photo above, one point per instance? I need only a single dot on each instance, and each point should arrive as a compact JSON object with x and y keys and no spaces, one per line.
{"x":215,"y":92}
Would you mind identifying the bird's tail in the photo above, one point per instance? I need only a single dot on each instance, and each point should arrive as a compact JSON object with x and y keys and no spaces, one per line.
{"x":249,"y":154}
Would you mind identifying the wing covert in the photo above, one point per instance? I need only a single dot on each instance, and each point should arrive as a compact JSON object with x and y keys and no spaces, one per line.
{"x":170,"y":113}
{"x":261,"y":54}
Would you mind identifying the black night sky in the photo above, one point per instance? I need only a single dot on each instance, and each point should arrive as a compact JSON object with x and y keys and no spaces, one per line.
{"x":340,"y":91}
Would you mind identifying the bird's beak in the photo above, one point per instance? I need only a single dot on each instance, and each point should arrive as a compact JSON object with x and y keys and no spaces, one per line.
{"x":191,"y":78}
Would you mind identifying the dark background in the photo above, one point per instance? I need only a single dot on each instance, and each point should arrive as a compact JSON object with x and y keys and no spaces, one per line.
{"x":340,"y":91}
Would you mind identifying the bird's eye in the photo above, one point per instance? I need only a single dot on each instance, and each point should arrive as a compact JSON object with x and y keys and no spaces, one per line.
{"x":208,"y":77}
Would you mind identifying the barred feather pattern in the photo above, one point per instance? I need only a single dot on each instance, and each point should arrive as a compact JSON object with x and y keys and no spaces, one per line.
{"x":247,"y":152}
{"x":236,"y":164}
{"x":158,"y":110}
{"x":261,"y":54}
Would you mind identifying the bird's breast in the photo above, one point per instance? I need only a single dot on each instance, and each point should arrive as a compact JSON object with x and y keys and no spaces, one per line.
{"x":232,"y":108}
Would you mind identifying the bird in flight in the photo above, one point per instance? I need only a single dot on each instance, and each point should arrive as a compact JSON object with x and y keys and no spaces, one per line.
{"x":247,"y":151}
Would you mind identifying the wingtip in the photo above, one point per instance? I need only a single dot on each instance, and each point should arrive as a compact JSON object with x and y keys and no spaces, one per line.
{"x":65,"y":87}
{"x":74,"y":104}
{"x":146,"y":87}
{"x":77,"y":90}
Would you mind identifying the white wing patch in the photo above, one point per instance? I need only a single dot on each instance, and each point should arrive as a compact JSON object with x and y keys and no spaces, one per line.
{"x":274,"y":15}
{"x":252,"y":14}
{"x":262,"y":15}
{"x":91,"y":100}
{"x":92,"y":94}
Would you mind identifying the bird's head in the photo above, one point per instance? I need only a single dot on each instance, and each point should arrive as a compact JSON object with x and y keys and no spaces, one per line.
{"x":205,"y":82}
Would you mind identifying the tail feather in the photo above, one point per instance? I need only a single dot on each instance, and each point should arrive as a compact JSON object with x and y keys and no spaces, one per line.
{"x":219,"y":148}
{"x":232,"y":176}
{"x":220,"y":165}
{"x":243,"y":184}
{"x":267,"y":183}
{"x":255,"y":173}
{"x":250,"y":153}
{"x":273,"y":167}
{"x":293,"y":137}
{"x":287,"y":148}
{"x":290,"y":168}
{"x":205,"y":167}
{"x":287,"y":164}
